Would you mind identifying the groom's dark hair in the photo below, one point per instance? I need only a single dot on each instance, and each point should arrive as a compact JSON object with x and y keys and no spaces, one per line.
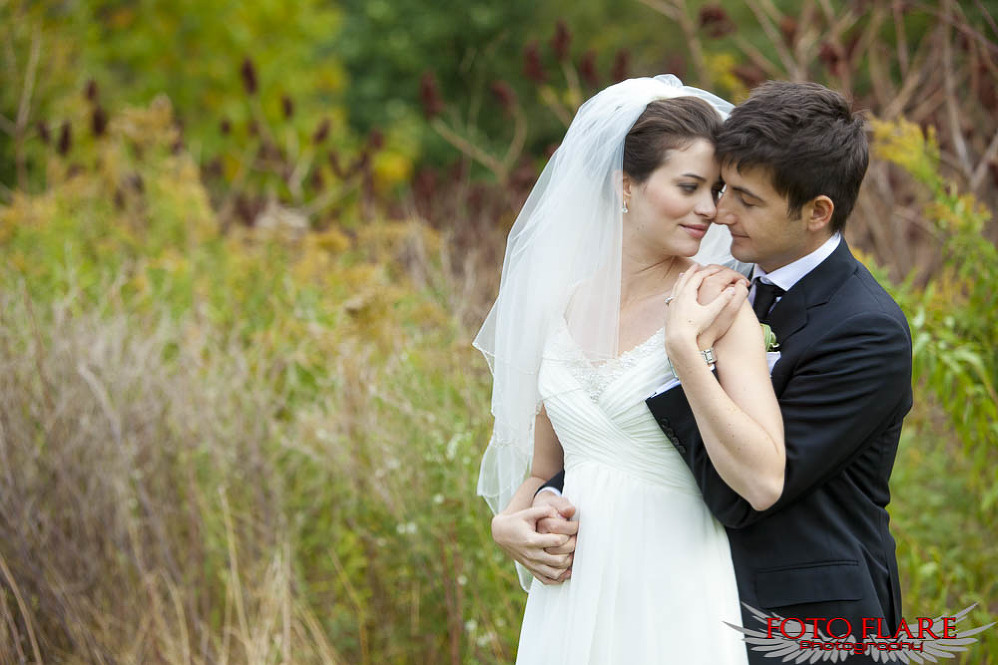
{"x":807,"y":137}
{"x":664,"y":125}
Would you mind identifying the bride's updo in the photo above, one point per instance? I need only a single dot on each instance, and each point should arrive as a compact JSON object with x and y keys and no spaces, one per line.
{"x":667,"y":124}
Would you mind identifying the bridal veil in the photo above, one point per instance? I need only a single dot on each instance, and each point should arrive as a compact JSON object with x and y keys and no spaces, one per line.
{"x":563,"y":259}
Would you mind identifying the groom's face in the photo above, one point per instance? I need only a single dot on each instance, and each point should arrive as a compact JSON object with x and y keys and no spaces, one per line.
{"x":762,"y":231}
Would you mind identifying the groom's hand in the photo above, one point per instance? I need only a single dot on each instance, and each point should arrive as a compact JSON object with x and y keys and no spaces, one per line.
{"x":712,"y":286}
{"x":517,"y":534}
{"x":560,"y":524}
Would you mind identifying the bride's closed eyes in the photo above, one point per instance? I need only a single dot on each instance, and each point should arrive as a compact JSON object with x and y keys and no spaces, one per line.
{"x":690,"y":188}
{"x":693,"y":185}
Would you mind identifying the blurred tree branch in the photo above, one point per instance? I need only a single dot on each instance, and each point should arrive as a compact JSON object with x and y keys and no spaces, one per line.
{"x":500,"y":167}
{"x":677,"y":11}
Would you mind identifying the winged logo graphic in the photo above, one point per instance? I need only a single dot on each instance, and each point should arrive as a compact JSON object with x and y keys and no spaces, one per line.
{"x":820,"y":648}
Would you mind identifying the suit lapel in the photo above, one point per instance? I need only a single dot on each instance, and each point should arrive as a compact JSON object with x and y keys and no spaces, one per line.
{"x":815,"y":288}
{"x":789,"y":315}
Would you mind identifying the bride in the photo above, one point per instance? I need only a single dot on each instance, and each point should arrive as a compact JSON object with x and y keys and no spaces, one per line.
{"x":598,"y":310}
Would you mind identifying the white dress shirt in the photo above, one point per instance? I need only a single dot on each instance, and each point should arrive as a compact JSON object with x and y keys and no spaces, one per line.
{"x":788,"y":275}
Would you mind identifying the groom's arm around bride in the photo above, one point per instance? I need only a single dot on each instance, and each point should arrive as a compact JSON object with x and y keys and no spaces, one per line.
{"x":793,"y":158}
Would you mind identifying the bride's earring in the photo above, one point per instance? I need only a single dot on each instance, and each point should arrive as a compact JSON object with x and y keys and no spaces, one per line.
{"x":623,"y":209}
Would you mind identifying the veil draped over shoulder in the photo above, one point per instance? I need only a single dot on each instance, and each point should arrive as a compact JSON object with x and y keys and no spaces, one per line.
{"x":563,"y":259}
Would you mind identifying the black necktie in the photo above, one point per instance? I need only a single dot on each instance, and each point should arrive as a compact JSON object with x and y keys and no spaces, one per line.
{"x":765,"y":295}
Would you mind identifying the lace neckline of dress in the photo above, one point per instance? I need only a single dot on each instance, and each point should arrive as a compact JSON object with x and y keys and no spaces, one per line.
{"x":595,"y":379}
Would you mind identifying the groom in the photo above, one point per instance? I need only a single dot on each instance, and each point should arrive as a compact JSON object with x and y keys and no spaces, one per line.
{"x":793,"y":157}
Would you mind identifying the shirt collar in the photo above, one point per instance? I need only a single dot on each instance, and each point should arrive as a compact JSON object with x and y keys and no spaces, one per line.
{"x":788,"y":275}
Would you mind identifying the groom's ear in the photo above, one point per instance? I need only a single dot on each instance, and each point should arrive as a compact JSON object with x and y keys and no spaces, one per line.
{"x":818,"y":213}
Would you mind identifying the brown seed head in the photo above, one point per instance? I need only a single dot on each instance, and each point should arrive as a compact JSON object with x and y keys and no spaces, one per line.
{"x":788,"y":26}
{"x":587,"y":68}
{"x":832,"y":57}
{"x":98,"y":121}
{"x":749,"y":74}
{"x":533,"y":69}
{"x":316,"y":180}
{"x":65,"y":138}
{"x":561,"y":41}
{"x":429,"y":95}
{"x":248,"y":73}
{"x":321,"y":132}
{"x":505,"y":95}
{"x":715,"y":22}
{"x":621,"y":65}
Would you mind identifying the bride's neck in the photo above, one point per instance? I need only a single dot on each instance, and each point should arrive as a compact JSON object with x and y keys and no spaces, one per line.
{"x":642,"y":279}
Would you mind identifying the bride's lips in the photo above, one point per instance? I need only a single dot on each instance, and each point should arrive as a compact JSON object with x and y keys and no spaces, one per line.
{"x":696,"y":231}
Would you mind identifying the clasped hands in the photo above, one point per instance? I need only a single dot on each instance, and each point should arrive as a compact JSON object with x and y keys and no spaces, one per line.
{"x":543,"y":537}
{"x":703,"y":306}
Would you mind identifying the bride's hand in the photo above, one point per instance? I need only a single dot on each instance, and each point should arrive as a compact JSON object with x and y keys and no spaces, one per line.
{"x":711,"y":288}
{"x":517,"y":534}
{"x":685,"y":318}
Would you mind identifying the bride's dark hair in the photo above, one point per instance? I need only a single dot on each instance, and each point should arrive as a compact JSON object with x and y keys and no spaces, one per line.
{"x":667,"y":124}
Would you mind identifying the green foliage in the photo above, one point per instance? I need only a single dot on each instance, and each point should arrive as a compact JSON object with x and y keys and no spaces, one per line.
{"x":945,"y":483}
{"x":193,"y":51}
{"x":39,"y":60}
{"x":236,"y":392}
{"x":236,"y":74}
{"x":953,"y":320}
{"x":387,"y":46}
{"x":945,"y":545}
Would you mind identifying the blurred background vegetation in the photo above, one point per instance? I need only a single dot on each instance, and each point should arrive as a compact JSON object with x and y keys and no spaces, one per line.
{"x":246,"y":246}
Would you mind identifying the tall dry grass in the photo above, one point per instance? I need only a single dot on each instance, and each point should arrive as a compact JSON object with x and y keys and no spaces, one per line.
{"x":142,"y":517}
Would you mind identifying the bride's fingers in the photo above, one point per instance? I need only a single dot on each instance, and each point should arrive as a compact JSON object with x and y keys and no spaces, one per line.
{"x":558,"y":561}
{"x":685,"y":276}
{"x":557,"y":525}
{"x":567,"y":548}
{"x":547,"y":574}
{"x":548,"y":581}
{"x":707,"y":271}
{"x":546,"y":540}
{"x":681,"y":280}
{"x":689,"y":284}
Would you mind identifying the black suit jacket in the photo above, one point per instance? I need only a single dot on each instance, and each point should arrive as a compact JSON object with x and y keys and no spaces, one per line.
{"x":843,"y":382}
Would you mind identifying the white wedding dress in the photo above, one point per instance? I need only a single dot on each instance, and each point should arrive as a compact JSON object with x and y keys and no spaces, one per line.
{"x":652,"y":580}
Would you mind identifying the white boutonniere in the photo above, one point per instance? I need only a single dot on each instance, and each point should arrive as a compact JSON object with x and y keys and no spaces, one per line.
{"x":769,"y":338}
{"x":771,"y":345}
